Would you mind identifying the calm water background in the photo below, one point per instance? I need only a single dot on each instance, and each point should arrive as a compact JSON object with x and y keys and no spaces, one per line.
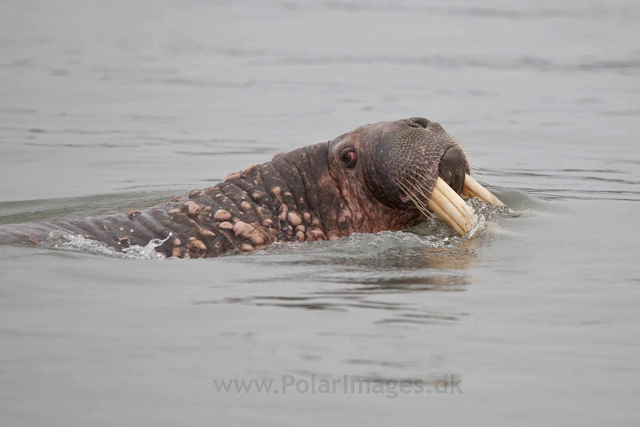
{"x":114,"y":105}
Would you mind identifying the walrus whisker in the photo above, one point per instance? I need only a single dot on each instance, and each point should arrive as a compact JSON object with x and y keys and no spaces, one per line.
{"x":419,"y":180}
{"x":417,"y":185}
{"x":411,"y":195}
{"x":419,"y":188}
{"x":423,"y":202}
{"x":462,"y":222}
{"x":443,"y":201}
{"x":427,"y":172}
{"x":440,"y":211}
{"x":416,"y":200}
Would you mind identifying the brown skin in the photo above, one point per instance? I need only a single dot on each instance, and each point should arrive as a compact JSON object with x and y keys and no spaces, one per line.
{"x":364,"y":211}
{"x":355,"y":183}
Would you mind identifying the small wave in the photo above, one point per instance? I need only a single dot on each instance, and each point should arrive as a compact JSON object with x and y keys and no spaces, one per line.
{"x":77,"y":243}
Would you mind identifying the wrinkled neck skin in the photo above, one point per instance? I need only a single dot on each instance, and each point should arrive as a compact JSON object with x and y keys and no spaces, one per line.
{"x":300,"y":185}
{"x":361,"y":216}
{"x":303,"y":195}
{"x":310,"y":183}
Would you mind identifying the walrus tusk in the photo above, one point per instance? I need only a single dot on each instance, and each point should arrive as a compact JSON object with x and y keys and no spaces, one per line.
{"x":473,"y":189}
{"x":445,"y":202}
{"x":451,"y":208}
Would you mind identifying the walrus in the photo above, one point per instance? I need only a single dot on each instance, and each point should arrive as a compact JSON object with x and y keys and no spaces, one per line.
{"x":382,"y":176}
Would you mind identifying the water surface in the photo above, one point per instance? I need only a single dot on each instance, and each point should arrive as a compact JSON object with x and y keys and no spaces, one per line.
{"x":113,"y":105}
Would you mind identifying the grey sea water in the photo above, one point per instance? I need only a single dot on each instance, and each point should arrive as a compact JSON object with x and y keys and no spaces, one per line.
{"x":114,"y":105}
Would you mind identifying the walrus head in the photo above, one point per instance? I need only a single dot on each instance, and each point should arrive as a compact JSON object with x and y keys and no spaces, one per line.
{"x":409,"y":168}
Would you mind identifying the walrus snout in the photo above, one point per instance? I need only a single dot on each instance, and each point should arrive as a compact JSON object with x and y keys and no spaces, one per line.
{"x":453,"y":168}
{"x":416,"y":164}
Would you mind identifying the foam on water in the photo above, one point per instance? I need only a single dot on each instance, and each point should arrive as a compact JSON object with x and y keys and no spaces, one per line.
{"x":77,"y":243}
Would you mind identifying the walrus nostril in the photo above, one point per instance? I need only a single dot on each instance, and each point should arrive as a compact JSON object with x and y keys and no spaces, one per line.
{"x":453,"y":168}
{"x":418,"y":122}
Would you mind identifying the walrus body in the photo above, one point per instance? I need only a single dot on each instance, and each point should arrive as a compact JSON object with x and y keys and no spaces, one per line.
{"x":365,"y":181}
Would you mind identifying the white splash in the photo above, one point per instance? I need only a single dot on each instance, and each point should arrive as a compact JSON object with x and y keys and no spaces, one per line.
{"x":77,"y":243}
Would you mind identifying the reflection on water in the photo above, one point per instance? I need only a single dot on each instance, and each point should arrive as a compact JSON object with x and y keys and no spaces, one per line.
{"x":362,"y":268}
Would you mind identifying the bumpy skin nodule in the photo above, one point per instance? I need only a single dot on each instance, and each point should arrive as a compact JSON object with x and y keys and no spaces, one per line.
{"x":354,"y":183}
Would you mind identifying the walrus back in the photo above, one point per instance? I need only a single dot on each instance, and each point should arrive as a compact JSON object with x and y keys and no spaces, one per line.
{"x":109,"y":229}
{"x":25,"y":233}
{"x":278,"y":200}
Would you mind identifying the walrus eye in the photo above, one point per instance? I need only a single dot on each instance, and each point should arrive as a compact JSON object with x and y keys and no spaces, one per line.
{"x":349,"y":158}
